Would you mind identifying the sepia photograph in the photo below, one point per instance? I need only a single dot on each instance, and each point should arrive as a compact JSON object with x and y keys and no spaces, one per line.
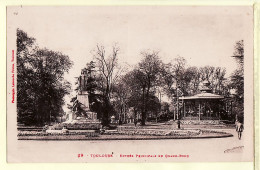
{"x":130,"y":84}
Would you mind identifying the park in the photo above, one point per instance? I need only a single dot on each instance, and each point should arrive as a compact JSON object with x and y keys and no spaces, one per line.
{"x":113,"y":103}
{"x":130,"y":84}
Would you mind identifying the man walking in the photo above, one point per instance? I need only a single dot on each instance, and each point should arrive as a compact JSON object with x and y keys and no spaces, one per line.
{"x":239,"y":129}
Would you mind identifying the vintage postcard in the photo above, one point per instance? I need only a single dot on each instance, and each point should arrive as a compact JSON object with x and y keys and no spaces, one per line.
{"x":130,"y":84}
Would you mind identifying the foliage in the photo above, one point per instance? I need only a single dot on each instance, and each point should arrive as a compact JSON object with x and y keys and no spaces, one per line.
{"x":108,"y":72}
{"x":102,"y":74}
{"x":95,"y":96}
{"x":149,"y":73}
{"x":237,"y":80}
{"x":137,"y":89}
{"x":121,"y":97}
{"x":40,"y":82}
{"x":41,"y":85}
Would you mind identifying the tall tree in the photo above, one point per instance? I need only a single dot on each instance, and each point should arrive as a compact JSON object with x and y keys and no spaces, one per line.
{"x":40,"y":81}
{"x":121,"y":95}
{"x":150,"y":68}
{"x":109,"y":72}
{"x":237,"y":80}
{"x":194,"y":80}
{"x":25,"y":84}
{"x":216,"y":77}
{"x":133,"y":90}
{"x":174,"y":74}
{"x":136,"y":85}
{"x":237,"y":77}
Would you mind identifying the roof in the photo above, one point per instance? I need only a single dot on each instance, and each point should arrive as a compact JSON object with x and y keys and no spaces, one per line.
{"x":202,"y":96}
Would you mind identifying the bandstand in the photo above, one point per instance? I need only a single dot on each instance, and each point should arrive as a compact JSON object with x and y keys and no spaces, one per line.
{"x":204,"y":106}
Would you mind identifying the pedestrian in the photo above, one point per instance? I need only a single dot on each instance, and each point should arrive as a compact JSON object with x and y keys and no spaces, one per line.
{"x":239,"y":129}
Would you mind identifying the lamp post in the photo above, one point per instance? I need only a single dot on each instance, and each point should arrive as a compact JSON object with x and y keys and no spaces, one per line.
{"x":160,"y":100}
{"x":177,"y":95}
{"x":176,"y":113}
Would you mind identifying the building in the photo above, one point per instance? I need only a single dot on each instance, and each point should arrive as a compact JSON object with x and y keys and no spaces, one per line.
{"x":204,"y":106}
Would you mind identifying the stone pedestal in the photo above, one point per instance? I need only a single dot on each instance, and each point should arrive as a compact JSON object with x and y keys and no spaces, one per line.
{"x":83,"y":99}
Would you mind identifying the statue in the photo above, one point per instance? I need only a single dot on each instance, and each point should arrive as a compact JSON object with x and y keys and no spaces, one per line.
{"x":83,"y":80}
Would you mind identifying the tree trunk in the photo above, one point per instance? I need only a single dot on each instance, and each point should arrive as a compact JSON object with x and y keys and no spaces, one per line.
{"x":105,"y":119}
{"x":145,"y":104}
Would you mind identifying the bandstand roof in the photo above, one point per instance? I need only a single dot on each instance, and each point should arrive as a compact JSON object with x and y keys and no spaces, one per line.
{"x":202,"y":96}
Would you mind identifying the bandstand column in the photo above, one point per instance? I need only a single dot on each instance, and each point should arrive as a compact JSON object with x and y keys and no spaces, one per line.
{"x":218,"y":111}
{"x":184,"y":112}
{"x":199,"y":110}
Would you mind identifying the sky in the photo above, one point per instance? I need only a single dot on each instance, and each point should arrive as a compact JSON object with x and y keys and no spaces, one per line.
{"x":202,"y":35}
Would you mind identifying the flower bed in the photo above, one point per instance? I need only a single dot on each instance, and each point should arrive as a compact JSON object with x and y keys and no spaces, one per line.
{"x":86,"y":133}
{"x":200,"y":122}
{"x":185,"y":133}
{"x":30,"y":128}
{"x":153,"y":132}
{"x":76,"y":126}
{"x":211,"y":131}
{"x":124,"y":135}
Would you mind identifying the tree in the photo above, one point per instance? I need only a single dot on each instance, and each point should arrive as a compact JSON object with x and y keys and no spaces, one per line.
{"x":76,"y":107}
{"x":133,"y":91}
{"x":219,"y":81}
{"x":193,"y":77}
{"x":136,"y":87}
{"x":25,"y":84}
{"x":237,"y":80}
{"x":149,"y":71}
{"x":216,"y":77}
{"x":165,"y":111}
{"x":173,"y":76}
{"x":40,"y":81}
{"x":153,"y":106}
{"x":176,"y":80}
{"x":121,"y":96}
{"x":237,"y":77}
{"x":108,"y":74}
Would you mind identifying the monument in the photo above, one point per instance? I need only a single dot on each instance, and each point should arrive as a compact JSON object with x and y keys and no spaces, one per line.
{"x":80,"y":117}
{"x":81,"y":110}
